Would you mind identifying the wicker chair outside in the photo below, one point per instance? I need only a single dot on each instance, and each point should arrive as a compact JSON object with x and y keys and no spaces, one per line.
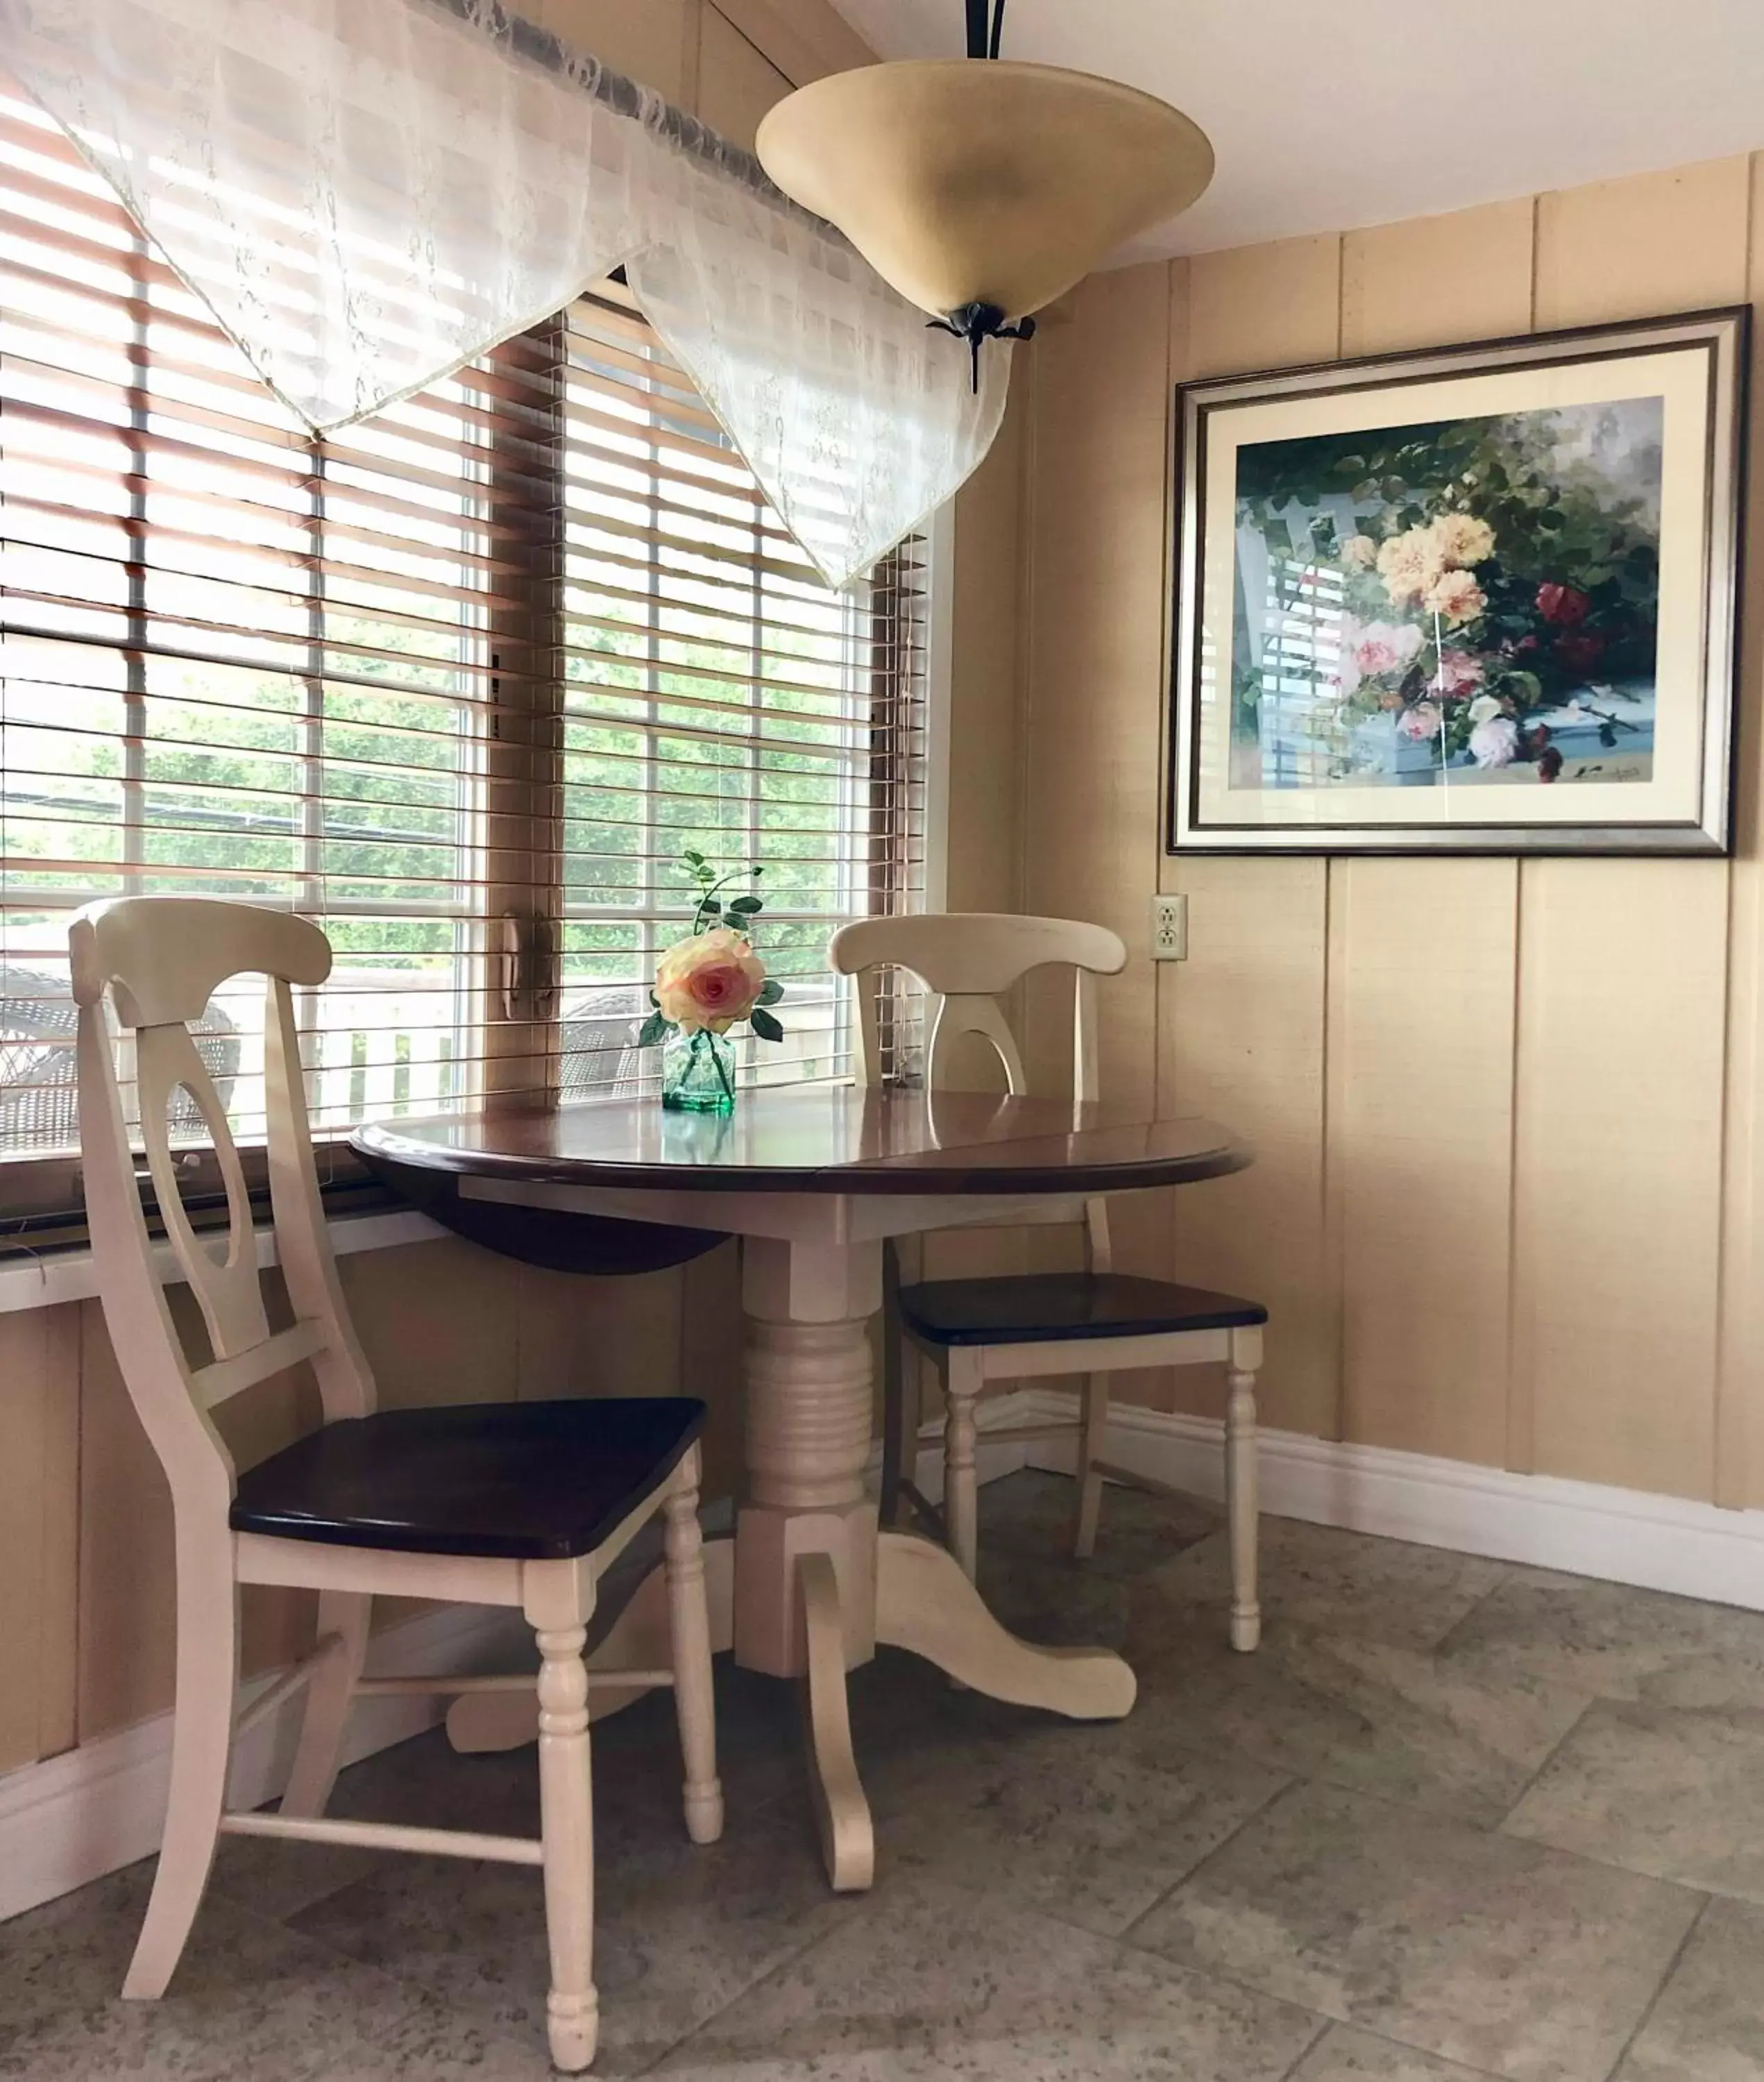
{"x":599,"y":1056}
{"x":39,"y":1063}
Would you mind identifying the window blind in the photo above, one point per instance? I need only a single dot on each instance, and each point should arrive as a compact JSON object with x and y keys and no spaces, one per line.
{"x":461,"y":680}
{"x":237,"y":661}
{"x":716,"y":694}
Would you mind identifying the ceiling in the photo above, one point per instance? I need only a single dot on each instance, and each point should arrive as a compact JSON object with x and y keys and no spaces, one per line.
{"x":1325,"y":118}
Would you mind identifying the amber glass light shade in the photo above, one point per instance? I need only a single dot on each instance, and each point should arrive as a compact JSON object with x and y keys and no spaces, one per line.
{"x":966,"y":182}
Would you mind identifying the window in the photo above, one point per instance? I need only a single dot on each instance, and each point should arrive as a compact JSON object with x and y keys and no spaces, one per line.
{"x":459,"y":683}
{"x":716,"y":694}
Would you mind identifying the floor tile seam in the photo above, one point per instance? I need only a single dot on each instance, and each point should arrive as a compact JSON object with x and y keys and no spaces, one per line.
{"x":1611,"y":1864}
{"x":326,"y":1943}
{"x":1664,"y":1981}
{"x":1403,"y":1810}
{"x":220,"y":1891}
{"x":1291,"y":1782}
{"x":1210,"y":1976}
{"x":1508,"y":1574}
{"x":834,"y":1925}
{"x":1384,"y":2037}
{"x":1325,"y":2025}
{"x":1556,"y":1750}
{"x":1412,"y":1806}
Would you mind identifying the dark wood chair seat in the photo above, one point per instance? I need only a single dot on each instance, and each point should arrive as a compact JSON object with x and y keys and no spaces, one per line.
{"x":524,"y":1482}
{"x":1048,"y":1308}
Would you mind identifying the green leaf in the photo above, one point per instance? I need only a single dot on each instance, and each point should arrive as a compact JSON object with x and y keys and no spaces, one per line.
{"x":747,"y":904}
{"x":764,"y":1025}
{"x":653,"y":1031}
{"x":771,"y":991}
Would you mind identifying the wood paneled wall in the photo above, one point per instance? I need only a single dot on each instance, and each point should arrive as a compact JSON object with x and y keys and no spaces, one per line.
{"x":1506,"y":1111}
{"x":85,"y":1608}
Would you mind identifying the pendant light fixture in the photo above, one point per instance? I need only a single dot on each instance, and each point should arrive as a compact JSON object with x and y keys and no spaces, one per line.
{"x":980,"y":188}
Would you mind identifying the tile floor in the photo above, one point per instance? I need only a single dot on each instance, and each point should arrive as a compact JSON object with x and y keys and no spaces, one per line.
{"x":1456,"y":1820}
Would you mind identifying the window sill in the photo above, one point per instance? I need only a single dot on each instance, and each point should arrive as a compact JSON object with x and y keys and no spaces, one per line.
{"x":41,"y":1279}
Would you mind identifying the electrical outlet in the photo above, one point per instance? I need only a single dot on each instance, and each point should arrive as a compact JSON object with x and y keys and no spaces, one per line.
{"x":1169,"y":929}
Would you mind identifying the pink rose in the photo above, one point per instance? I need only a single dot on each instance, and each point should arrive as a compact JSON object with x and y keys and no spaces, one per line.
{"x":1421,"y":722}
{"x":710,"y":980}
{"x":1458,"y":674}
{"x":1370,"y":650}
{"x":1565,"y":605}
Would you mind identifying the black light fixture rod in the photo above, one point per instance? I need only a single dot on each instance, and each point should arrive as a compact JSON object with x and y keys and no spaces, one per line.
{"x":985,"y":25}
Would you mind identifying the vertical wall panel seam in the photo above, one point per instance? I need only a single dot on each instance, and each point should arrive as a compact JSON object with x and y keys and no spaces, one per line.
{"x":1520,"y":1455}
{"x":1729,"y":1475}
{"x":78,"y":1328}
{"x":1337,"y":886}
{"x":692,"y":53}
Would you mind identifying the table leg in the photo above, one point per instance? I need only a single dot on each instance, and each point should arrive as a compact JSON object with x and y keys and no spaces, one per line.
{"x":925,"y":1602}
{"x":808,"y":1586}
{"x":806,"y":1533}
{"x":841,"y":1812}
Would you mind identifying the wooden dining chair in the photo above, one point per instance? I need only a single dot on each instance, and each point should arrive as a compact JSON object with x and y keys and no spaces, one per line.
{"x":985,"y":1334}
{"x":517,"y":1504}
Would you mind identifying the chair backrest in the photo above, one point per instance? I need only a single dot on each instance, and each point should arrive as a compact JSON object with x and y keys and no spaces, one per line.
{"x":968,"y":959}
{"x":155,"y":961}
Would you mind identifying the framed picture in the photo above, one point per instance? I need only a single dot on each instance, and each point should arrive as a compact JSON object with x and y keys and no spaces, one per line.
{"x":1480,"y":601}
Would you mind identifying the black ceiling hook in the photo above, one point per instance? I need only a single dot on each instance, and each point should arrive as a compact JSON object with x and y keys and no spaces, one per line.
{"x":977,"y":323}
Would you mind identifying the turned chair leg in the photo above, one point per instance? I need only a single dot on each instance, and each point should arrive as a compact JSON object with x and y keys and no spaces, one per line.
{"x":347,"y":1615}
{"x":689,"y":1624}
{"x":961,"y":1385}
{"x":208,"y":1678}
{"x":1242,"y":1505}
{"x":1093,"y":1439}
{"x":566,"y":1813}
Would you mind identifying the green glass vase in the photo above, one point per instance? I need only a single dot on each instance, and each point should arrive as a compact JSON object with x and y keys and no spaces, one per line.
{"x":698,"y":1072}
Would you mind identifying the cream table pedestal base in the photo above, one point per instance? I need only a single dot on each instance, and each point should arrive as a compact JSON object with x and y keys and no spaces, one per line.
{"x":808,"y":1588}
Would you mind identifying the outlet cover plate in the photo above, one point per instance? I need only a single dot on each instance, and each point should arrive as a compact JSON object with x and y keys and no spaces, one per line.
{"x":1169,"y":929}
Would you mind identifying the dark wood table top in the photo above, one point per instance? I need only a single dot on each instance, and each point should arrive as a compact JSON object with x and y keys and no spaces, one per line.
{"x":825,"y":1139}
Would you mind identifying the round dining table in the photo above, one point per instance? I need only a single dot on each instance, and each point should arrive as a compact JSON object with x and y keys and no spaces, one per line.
{"x":814,"y":1179}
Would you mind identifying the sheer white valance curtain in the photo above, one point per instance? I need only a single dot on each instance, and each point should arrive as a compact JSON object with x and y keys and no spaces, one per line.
{"x":368,"y":193}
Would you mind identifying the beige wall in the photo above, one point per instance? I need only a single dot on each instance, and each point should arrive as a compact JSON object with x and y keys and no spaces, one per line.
{"x":85,"y":1529}
{"x":1505,"y":1111}
{"x":726,"y":61}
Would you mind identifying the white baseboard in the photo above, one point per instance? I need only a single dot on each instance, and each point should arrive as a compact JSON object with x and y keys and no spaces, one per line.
{"x":74,"y":1818}
{"x":1657,"y":1543}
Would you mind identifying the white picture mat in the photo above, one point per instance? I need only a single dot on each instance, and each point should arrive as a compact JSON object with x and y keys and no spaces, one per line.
{"x":1680,"y":378}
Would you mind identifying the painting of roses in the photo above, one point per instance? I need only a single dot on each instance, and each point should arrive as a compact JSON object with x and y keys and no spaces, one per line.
{"x":1485,"y":603}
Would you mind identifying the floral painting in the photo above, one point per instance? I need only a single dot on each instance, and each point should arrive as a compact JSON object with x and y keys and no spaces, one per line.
{"x":1475,"y":599}
{"x":1480,"y":598}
